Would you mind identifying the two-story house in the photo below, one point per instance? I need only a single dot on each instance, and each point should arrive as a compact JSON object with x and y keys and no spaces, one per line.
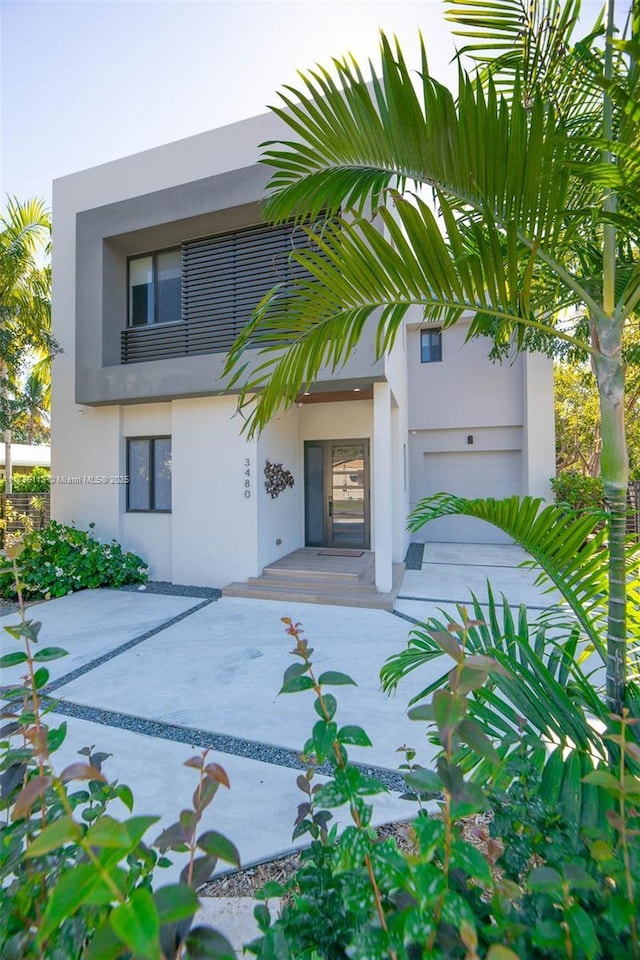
{"x":159,"y":259}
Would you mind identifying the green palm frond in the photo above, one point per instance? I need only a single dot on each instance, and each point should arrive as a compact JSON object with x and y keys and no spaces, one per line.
{"x":356,"y":139}
{"x":569,"y":549}
{"x":542,"y":703}
{"x":359,"y":272}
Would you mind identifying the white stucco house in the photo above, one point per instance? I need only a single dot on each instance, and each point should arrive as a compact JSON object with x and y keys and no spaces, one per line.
{"x":158,"y":260}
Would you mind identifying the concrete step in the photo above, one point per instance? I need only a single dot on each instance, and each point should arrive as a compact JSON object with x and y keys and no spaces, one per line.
{"x":314,"y":582}
{"x":344,"y":569}
{"x":351,"y":598}
{"x":316,"y":590}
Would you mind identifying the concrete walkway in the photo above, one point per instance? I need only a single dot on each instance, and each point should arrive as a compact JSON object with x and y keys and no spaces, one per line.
{"x":451,"y":572}
{"x":153,"y":679}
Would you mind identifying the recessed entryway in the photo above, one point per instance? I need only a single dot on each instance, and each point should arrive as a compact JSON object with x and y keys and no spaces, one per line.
{"x":337,"y":493}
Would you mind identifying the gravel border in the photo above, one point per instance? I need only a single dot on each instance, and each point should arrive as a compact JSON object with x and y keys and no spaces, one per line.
{"x":413,"y":559}
{"x":172,"y":589}
{"x":222,"y":742}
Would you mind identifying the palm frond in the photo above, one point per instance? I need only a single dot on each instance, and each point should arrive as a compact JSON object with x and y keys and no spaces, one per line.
{"x":568,"y":549}
{"x":374,"y":271}
{"x":542,"y":703}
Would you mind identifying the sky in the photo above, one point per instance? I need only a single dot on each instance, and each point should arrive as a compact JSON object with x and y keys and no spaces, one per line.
{"x":86,"y":82}
{"x":83,"y":82}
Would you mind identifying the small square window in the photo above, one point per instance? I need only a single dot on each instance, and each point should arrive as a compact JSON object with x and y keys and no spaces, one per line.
{"x":149,"y":473}
{"x":431,"y":346}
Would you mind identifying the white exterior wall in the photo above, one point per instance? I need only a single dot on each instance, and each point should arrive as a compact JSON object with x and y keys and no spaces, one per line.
{"x":507,"y":410}
{"x":280,"y":518}
{"x":214,"y":524}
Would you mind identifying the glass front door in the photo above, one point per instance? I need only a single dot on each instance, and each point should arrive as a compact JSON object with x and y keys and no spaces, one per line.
{"x":337,"y":493}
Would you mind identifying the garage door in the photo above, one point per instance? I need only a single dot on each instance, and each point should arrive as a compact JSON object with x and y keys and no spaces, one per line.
{"x":481,"y":473}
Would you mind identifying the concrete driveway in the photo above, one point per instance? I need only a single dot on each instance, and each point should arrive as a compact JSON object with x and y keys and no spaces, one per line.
{"x":152,"y":679}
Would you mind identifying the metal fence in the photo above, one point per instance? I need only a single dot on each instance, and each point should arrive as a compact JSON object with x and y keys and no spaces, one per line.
{"x":633,"y":501}
{"x":20,"y":511}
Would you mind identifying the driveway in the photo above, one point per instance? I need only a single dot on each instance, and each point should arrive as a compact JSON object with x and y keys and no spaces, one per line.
{"x":151,"y":679}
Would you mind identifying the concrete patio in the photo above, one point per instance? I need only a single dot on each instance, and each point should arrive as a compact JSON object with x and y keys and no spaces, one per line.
{"x":152,"y":679}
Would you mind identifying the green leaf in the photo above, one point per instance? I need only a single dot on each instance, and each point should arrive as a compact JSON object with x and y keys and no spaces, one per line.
{"x":123,"y":792}
{"x":423,"y":711}
{"x":448,"y":711}
{"x":472,"y":734}
{"x":296,"y":684}
{"x":104,"y":944}
{"x":333,"y":678}
{"x":206,"y":944}
{"x":354,"y":735}
{"x":11,"y":659}
{"x":175,"y":902}
{"x":49,"y":653}
{"x":216,"y":845}
{"x":107,"y":832}
{"x":423,"y":781}
{"x":70,"y":892}
{"x":54,"y":835}
{"x":323,"y":737}
{"x":136,"y":923}
{"x":448,"y":644}
{"x":545,"y":879}
{"x":602,"y":778}
{"x":499,"y":952}
{"x":470,"y":860}
{"x":330,"y":705}
{"x":582,"y":931}
{"x":40,"y":677}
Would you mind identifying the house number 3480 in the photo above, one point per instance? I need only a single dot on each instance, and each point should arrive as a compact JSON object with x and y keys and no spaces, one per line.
{"x":247,"y":478}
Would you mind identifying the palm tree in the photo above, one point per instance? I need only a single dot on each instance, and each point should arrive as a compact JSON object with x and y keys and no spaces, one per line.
{"x":35,"y":400}
{"x":535,"y":171}
{"x":25,"y":301}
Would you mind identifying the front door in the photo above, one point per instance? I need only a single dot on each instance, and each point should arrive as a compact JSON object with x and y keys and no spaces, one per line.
{"x":336,"y":481}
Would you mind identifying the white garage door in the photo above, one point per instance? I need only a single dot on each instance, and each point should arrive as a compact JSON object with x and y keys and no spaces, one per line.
{"x":477,"y":473}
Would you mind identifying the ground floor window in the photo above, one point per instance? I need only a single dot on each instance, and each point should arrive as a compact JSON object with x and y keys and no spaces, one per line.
{"x":149,"y":472}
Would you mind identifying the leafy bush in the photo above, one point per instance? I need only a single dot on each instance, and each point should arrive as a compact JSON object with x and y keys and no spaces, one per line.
{"x":61,"y":559}
{"x":38,"y":481}
{"x":75,"y":881}
{"x":577,"y":491}
{"x":542,"y":891}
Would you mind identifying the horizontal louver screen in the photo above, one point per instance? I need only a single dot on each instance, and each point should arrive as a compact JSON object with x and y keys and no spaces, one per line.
{"x":223,"y":280}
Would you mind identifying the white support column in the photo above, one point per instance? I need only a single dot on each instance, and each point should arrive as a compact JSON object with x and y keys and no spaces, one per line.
{"x":382,"y":487}
{"x":538,"y":433}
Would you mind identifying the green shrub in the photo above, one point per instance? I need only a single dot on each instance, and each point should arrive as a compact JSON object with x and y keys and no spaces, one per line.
{"x":76,"y":881}
{"x":542,"y":891}
{"x":38,"y":481}
{"x":61,"y":559}
{"x":577,"y":491}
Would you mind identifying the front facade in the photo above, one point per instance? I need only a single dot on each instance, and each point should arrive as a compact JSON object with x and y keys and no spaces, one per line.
{"x":158,"y":260}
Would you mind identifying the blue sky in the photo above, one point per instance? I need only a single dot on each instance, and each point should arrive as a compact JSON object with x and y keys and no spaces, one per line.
{"x":86,"y":81}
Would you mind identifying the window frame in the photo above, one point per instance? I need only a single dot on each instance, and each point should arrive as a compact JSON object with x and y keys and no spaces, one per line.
{"x":151,"y":439}
{"x":429,"y":332}
{"x":154,"y":281}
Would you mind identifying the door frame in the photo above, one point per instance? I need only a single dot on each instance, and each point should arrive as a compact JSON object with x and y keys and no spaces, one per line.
{"x":327,"y":476}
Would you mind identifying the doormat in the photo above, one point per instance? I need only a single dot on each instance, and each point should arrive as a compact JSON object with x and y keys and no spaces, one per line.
{"x":340,"y":553}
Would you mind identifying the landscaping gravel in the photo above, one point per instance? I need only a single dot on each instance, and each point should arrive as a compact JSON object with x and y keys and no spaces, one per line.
{"x":172,"y":589}
{"x":413,"y":559}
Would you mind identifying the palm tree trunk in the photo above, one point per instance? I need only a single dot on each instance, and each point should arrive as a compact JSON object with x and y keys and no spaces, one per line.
{"x":615,"y":478}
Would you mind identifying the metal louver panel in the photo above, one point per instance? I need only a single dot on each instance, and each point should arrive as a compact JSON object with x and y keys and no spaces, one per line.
{"x":223,"y":280}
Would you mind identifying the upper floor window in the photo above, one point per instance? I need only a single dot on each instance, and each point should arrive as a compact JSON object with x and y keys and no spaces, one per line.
{"x":431,"y":346}
{"x":149,"y":473}
{"x":155,"y":288}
